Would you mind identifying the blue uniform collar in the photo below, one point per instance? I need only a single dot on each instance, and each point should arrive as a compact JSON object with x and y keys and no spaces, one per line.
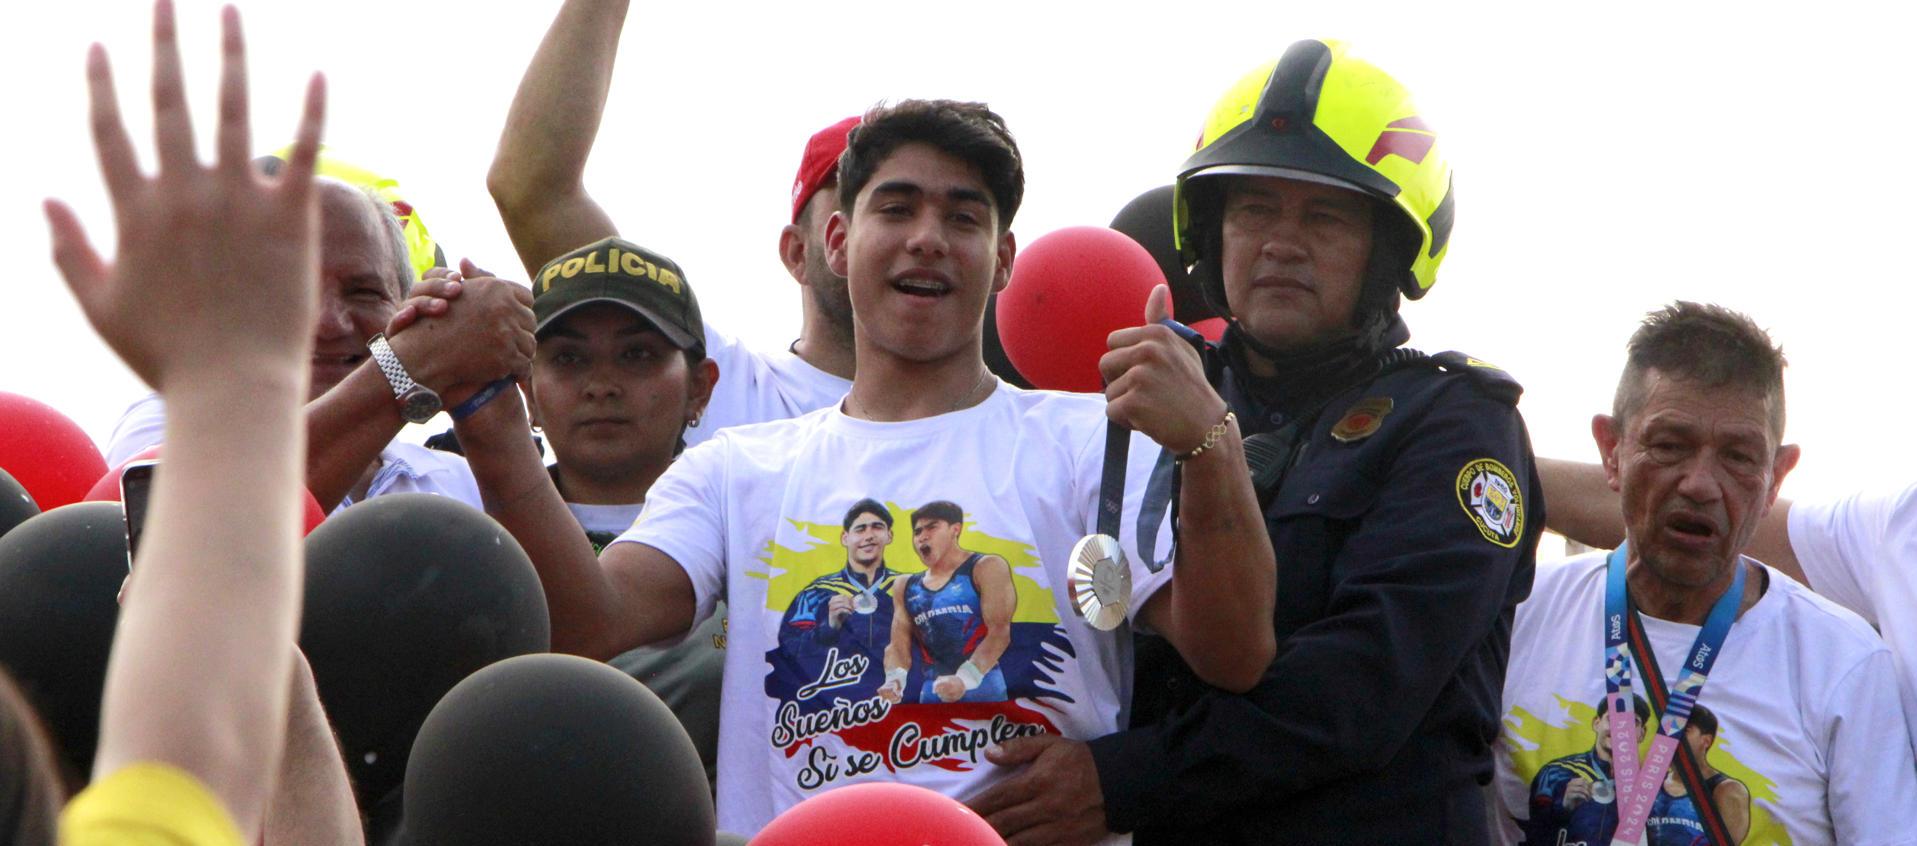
{"x":1306,"y":379}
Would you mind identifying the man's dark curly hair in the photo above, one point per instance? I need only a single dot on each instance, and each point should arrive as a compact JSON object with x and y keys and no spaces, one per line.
{"x":941,"y":510}
{"x":966,"y":131}
{"x":868,"y":506}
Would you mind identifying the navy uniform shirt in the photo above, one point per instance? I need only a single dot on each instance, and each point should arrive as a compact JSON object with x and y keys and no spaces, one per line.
{"x":1405,"y":528}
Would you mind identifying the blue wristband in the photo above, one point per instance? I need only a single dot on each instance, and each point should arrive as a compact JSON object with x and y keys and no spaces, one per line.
{"x":479,"y":400}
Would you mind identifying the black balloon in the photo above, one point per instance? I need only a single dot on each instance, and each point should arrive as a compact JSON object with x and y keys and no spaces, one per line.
{"x":996,"y":360}
{"x":60,"y":576}
{"x":16,"y":505}
{"x":554,"y":749}
{"x":406,"y":595}
{"x":1148,"y":220}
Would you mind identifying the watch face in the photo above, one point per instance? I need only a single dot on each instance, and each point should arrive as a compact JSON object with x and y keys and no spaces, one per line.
{"x":419,"y":405}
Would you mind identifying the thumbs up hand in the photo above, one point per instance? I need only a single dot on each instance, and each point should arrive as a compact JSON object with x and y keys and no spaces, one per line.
{"x":1158,"y":305}
{"x":1155,"y":382}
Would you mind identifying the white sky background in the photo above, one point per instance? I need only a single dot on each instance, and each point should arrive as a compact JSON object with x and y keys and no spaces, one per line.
{"x":1608,"y":160}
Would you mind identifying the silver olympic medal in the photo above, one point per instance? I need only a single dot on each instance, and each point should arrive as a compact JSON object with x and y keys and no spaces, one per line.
{"x":1603,"y":792}
{"x":1100,"y":581}
{"x":865,"y":603}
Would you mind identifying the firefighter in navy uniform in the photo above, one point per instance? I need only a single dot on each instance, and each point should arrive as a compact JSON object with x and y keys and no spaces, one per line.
{"x":1398,"y":489}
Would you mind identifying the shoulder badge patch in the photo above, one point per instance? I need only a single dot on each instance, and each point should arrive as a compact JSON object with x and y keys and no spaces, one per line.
{"x":1489,"y":495}
{"x":1362,"y":419}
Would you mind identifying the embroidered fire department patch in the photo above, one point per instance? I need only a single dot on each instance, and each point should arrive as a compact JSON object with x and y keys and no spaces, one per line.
{"x":1362,"y":419}
{"x":1489,"y":494}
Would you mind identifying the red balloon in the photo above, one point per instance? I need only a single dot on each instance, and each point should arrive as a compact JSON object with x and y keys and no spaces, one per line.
{"x":107,"y":489}
{"x":1070,"y":290}
{"x":46,"y":452}
{"x":1213,"y":328}
{"x":879,"y":814}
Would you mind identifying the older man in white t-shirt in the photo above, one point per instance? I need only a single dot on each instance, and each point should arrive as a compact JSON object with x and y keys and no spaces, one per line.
{"x":1858,"y":550}
{"x":1807,"y":717}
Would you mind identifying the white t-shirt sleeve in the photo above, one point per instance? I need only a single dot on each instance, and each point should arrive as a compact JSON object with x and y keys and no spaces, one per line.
{"x":1873,"y":777}
{"x":1840,"y":543}
{"x":684,"y":518}
{"x":732,"y":395}
{"x":758,"y":386}
{"x":141,"y":426}
{"x":725,"y":350}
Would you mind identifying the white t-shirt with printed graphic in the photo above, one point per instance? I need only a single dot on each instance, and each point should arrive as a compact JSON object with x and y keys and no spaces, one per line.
{"x":1861,"y":552}
{"x":1808,"y":711}
{"x":756,"y":387}
{"x":755,"y":517}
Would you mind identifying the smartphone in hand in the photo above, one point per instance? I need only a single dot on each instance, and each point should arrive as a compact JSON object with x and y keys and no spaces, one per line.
{"x":136,"y":487}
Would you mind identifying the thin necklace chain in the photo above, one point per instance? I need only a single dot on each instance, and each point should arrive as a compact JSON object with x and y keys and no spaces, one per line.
{"x":985,"y":375}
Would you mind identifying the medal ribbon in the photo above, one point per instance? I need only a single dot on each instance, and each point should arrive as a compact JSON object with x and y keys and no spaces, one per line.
{"x":1637,"y":786}
{"x":1161,"y":488}
{"x":1111,"y":484}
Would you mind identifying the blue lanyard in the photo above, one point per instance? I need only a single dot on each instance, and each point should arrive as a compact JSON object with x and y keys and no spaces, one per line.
{"x":1636,"y":788}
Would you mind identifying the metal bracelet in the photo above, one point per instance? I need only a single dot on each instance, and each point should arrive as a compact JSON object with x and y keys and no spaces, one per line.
{"x":1212,"y":437}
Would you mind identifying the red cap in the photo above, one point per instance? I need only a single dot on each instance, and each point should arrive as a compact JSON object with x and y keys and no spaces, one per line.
{"x":821,"y":163}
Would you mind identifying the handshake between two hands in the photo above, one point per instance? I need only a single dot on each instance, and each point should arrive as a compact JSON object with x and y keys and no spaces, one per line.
{"x":467,"y":329}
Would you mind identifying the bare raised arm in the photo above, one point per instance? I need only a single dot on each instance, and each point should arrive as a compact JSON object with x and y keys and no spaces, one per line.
{"x":599,"y":607}
{"x":1580,"y":504}
{"x":312,"y":802}
{"x":210,"y":298}
{"x":538,"y":174}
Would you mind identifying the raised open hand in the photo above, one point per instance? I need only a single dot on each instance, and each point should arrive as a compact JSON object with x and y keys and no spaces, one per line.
{"x":216,"y":270}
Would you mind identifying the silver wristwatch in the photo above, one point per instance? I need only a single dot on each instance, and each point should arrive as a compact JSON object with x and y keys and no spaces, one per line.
{"x":417,"y":403}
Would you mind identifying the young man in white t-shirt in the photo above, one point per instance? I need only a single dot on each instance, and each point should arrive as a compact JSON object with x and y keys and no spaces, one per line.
{"x":1807,"y":719}
{"x":928,"y":191}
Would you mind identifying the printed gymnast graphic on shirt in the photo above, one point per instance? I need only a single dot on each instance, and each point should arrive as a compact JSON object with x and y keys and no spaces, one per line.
{"x":987,"y":603}
{"x":1800,"y":733}
{"x":1573,"y":795}
{"x":897,"y":592}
